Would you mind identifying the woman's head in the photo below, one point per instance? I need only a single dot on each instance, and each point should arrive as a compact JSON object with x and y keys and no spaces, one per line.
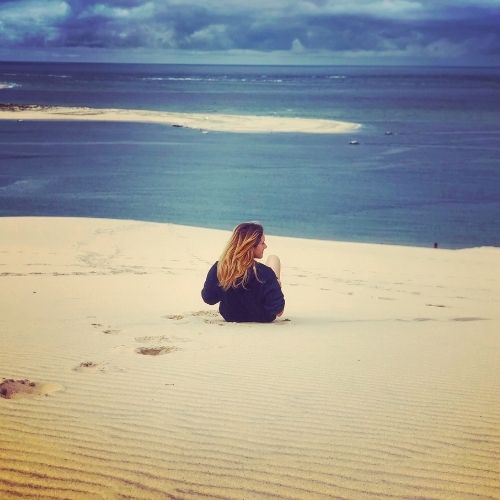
{"x":247,"y":237}
{"x":246,"y":243}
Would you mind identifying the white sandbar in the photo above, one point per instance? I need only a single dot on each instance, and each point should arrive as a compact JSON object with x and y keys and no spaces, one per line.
{"x":206,"y":121}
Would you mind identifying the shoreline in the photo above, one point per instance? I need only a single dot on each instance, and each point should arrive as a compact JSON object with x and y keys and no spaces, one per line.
{"x":200,"y":121}
{"x":383,"y":365}
{"x":319,"y":239}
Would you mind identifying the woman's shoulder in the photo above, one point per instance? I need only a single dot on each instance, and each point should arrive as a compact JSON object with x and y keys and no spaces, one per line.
{"x":264,"y":271}
{"x":213,"y":268}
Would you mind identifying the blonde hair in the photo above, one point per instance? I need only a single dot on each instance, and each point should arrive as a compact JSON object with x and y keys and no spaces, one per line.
{"x":238,"y":256}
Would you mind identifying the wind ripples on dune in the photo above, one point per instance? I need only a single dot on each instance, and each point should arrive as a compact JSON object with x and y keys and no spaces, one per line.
{"x":309,"y":406}
{"x":225,"y":433}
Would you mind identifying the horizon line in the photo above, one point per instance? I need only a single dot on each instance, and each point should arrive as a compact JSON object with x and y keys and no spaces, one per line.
{"x":384,"y":65}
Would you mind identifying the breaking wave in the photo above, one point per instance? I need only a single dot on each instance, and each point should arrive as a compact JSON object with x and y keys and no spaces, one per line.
{"x":8,"y":85}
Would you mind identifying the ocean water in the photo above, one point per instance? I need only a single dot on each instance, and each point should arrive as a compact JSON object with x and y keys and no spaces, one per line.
{"x":434,"y":178}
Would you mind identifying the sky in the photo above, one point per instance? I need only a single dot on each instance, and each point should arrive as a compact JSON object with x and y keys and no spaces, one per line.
{"x":392,"y":32}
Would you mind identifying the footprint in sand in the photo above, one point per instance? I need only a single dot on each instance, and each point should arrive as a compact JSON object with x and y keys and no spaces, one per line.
{"x":155,"y":351}
{"x":106,"y":331}
{"x":92,"y":367}
{"x":174,"y":316}
{"x":160,"y":339}
{"x":11,"y":389}
{"x":208,"y":317}
{"x":206,"y":314}
{"x":86,"y":364}
{"x":153,"y":338}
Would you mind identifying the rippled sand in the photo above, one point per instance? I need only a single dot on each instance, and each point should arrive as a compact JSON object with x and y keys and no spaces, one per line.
{"x":381,"y":379}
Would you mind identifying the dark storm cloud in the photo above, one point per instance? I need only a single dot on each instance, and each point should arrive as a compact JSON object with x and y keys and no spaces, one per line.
{"x":398,"y":27}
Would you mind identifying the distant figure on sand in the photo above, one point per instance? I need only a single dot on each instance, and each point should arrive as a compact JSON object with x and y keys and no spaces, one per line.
{"x":247,"y":290}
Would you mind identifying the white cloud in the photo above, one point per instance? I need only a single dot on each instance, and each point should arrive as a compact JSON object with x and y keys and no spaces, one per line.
{"x":33,"y":11}
{"x":214,"y":36}
{"x":388,"y":28}
{"x":374,"y":8}
{"x":31,"y":18}
{"x":144,"y":11}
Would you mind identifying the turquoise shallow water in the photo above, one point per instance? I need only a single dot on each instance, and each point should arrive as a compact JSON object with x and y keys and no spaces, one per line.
{"x":435,"y":177}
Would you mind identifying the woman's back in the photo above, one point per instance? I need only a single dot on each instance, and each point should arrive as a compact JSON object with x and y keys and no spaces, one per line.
{"x":246,"y":289}
{"x":260,"y":299}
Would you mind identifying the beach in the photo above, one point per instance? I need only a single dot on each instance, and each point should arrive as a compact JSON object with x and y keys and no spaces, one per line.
{"x":380,"y":379}
{"x":213,"y":121}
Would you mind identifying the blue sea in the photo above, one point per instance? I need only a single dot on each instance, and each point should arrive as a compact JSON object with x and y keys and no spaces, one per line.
{"x":426,"y":169}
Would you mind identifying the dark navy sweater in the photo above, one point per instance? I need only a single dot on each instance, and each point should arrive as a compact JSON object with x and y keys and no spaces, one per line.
{"x":258,"y":301}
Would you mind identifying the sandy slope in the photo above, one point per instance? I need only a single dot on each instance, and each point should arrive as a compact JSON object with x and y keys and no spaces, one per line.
{"x":207,"y":121}
{"x":381,"y":379}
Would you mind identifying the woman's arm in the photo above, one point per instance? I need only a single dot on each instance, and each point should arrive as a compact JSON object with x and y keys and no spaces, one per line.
{"x":211,"y":293}
{"x":274,"y":300}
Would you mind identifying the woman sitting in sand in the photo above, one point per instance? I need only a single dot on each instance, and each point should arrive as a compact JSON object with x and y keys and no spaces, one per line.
{"x":247,"y":290}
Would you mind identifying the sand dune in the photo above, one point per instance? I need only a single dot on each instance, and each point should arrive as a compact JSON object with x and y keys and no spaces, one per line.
{"x":205,"y":122}
{"x":381,"y":379}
